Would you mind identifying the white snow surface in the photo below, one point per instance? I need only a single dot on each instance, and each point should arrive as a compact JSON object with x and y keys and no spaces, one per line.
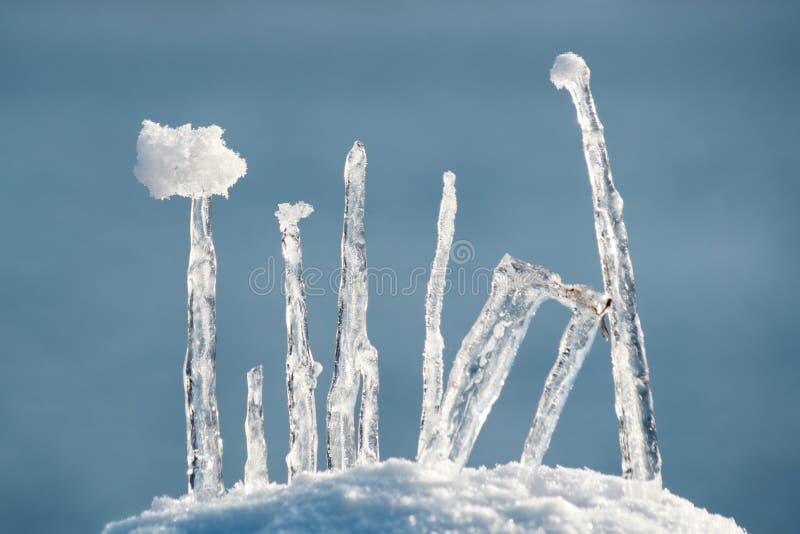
{"x":403,"y":496}
{"x":186,"y":161}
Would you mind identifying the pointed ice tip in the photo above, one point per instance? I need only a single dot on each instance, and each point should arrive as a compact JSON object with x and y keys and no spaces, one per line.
{"x":569,"y":68}
{"x":289,"y":214}
{"x":449,"y":178}
{"x":357,"y":154}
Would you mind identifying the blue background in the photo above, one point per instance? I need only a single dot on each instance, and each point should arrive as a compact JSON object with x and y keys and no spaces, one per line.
{"x":700,"y":106}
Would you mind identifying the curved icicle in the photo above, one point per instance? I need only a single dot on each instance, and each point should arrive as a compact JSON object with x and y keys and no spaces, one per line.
{"x":641,"y":459}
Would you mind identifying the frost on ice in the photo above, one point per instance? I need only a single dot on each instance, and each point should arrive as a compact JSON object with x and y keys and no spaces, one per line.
{"x":432,"y":355}
{"x":255,"y":467}
{"x":355,"y":357}
{"x":484,"y":360}
{"x":195,"y":163}
{"x":641,"y":459}
{"x":301,"y":369}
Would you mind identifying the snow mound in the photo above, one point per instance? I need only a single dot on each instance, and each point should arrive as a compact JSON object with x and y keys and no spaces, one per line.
{"x":569,"y":68}
{"x":186,"y":161}
{"x":399,"y":495}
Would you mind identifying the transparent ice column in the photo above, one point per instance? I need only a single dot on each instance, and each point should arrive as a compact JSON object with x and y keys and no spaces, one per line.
{"x":301,"y":369}
{"x":355,"y":360}
{"x":432,"y":355}
{"x":204,"y":445}
{"x":255,"y":468}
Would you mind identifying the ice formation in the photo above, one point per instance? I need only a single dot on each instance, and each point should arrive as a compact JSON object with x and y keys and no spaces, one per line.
{"x":575,"y":344}
{"x":489,"y":348}
{"x":432,"y":355}
{"x":436,"y":492}
{"x":355,"y":356}
{"x":301,"y":369}
{"x":195,"y":163}
{"x":203,"y":441}
{"x":186,"y":161}
{"x":641,"y":459}
{"x":255,"y":467}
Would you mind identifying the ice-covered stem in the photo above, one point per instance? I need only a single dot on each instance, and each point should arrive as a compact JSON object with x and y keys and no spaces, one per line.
{"x":255,"y":468}
{"x":641,"y":459}
{"x":203,"y":442}
{"x":482,"y":363}
{"x":575,"y":344}
{"x":301,"y":369}
{"x":355,"y":356}
{"x":432,"y":355}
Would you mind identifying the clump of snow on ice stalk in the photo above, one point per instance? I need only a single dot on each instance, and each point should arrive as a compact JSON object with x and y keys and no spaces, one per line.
{"x":355,"y":356}
{"x":484,"y":360}
{"x":633,"y":399}
{"x":255,"y":467}
{"x":432,"y":355}
{"x":301,"y":369}
{"x":195,"y":163}
{"x":186,"y":161}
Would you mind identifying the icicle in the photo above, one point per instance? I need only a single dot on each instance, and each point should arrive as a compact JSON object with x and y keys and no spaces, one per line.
{"x":355,"y":356}
{"x":301,"y":369}
{"x":575,"y":344}
{"x":641,"y":459}
{"x":488,"y":351}
{"x":204,"y":445}
{"x":432,"y":356}
{"x":195,"y":163}
{"x":255,"y":468}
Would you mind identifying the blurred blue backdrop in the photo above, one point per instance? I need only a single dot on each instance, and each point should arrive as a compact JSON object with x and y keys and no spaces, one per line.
{"x":700,"y":108}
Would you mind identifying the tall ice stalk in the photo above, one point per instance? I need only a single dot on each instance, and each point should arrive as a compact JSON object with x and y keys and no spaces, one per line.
{"x":203,"y":442}
{"x":432,"y":355}
{"x":301,"y":369}
{"x":355,"y":357}
{"x":641,"y":459}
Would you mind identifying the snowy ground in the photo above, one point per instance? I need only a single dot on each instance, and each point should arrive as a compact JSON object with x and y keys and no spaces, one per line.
{"x":399,"y":495}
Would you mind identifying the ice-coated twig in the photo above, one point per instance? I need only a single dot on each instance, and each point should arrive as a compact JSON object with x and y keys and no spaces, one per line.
{"x":301,"y":369}
{"x":575,"y":344}
{"x":641,"y":459}
{"x":488,"y":351}
{"x":195,"y":163}
{"x":355,"y":356}
{"x":432,"y":355}
{"x":255,"y":468}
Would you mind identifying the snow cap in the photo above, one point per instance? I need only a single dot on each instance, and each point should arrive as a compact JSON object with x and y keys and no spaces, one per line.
{"x":186,"y":161}
{"x":290,"y":214}
{"x":569,"y":68}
